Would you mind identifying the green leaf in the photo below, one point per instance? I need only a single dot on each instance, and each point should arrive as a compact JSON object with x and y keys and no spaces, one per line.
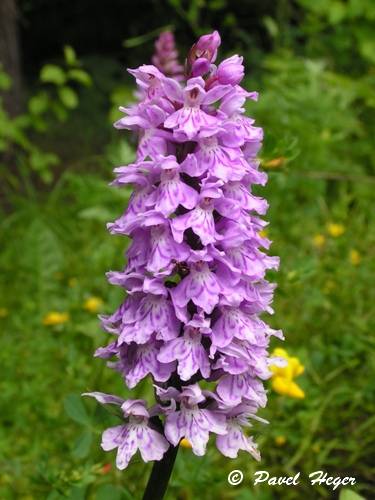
{"x":38,"y":104}
{"x":68,"y":97}
{"x":76,"y":410}
{"x":367,"y":49}
{"x":336,"y":12}
{"x":82,"y":445}
{"x":41,"y":160}
{"x":54,"y":495}
{"x":346,"y":494}
{"x":101,"y":214}
{"x":59,"y":111}
{"x":39,"y":123}
{"x":271,"y":26}
{"x":77,"y":493}
{"x":70,"y":55}
{"x":106,"y":491}
{"x":80,"y":76}
{"x":46,"y":176}
{"x":50,"y":73}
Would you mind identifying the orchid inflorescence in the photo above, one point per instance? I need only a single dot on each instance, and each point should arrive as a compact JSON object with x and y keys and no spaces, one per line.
{"x":195,"y":272}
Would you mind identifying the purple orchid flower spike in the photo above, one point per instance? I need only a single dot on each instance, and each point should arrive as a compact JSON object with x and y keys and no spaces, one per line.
{"x":166,"y":56}
{"x":196,"y":269}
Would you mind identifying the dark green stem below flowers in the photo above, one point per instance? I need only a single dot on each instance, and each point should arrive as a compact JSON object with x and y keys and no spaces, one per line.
{"x":161,"y":472}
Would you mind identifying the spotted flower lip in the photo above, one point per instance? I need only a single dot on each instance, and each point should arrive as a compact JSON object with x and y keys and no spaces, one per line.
{"x":134,"y":435}
{"x":195,"y":274}
{"x":190,"y":118}
{"x":189,"y":352}
{"x":234,"y":440}
{"x":172,"y":191}
{"x":191,"y":421}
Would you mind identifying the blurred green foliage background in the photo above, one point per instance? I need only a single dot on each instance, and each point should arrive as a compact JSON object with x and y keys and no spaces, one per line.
{"x":313,"y":63}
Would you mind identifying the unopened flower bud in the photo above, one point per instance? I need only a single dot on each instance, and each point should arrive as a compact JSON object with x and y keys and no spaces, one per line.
{"x":200,"y":67}
{"x":231,"y":71}
{"x":205,"y":48}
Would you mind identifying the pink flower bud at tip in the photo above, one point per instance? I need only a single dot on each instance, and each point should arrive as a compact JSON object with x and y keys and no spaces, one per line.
{"x":231,"y":71}
{"x":200,"y":67}
{"x":205,"y":48}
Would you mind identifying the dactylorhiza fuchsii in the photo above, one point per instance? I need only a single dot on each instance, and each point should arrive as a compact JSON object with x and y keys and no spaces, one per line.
{"x":166,"y":56}
{"x":195,"y":270}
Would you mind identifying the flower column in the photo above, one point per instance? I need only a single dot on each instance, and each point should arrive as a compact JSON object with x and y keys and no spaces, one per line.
{"x":195,"y":272}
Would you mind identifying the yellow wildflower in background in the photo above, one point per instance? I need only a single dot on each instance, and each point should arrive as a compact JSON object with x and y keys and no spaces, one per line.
{"x":92,"y":304}
{"x":280,"y":440}
{"x":274,"y":163}
{"x":3,"y":312}
{"x":185,"y":443}
{"x":335,"y":230}
{"x":354,"y":257}
{"x":282,"y":377}
{"x":263,"y":233}
{"x":319,"y":240}
{"x":55,"y":318}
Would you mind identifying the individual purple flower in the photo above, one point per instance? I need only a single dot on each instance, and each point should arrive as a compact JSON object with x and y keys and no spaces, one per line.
{"x":136,"y":361}
{"x":234,"y":388}
{"x":241,"y":357}
{"x":201,"y":286}
{"x":142,"y":315}
{"x":201,"y":219}
{"x":232,"y":323}
{"x":239,"y":128}
{"x":145,"y":119}
{"x":190,"y":118}
{"x":149,"y":79}
{"x":172,"y":191}
{"x":164,"y":249}
{"x":235,"y":439}
{"x":195,"y":276}
{"x":189,"y":352}
{"x":134,"y":435}
{"x":241,"y":193}
{"x":154,"y":314}
{"x":191,"y":421}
